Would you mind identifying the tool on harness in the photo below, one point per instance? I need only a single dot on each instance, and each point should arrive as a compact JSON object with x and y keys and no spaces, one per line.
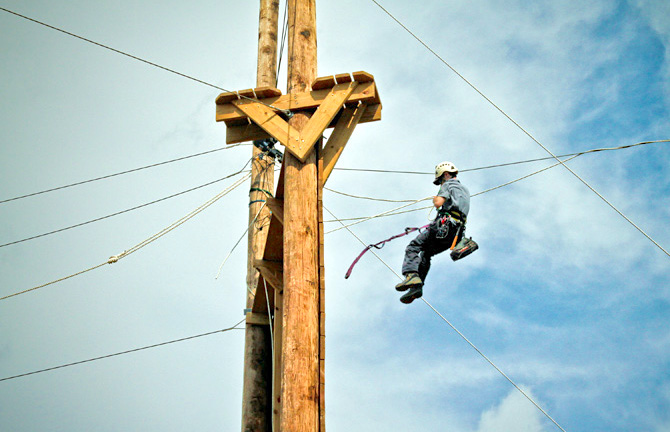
{"x":464,"y":248}
{"x":448,"y":220}
{"x":461,"y":246}
{"x":267,"y":146}
{"x":442,"y":228}
{"x":456,"y":215}
{"x":381,"y":245}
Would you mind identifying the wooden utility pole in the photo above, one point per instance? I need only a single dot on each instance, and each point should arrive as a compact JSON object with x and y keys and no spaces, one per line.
{"x":257,"y":384}
{"x":289,"y":295}
{"x":300,"y":388}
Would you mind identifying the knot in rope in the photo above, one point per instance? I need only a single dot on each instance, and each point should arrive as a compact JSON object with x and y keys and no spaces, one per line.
{"x":115,"y":258}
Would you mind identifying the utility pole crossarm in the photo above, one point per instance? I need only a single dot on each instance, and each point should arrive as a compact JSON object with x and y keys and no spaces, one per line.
{"x":249,"y":119}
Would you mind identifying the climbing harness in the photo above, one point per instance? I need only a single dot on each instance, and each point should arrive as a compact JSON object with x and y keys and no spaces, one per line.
{"x":461,"y":246}
{"x":448,"y":219}
{"x":381,"y":245}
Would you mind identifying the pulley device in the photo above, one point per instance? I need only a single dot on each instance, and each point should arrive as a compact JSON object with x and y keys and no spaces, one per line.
{"x":267,"y":146}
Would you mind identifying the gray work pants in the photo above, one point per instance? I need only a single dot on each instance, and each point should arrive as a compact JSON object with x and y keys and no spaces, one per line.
{"x":420,"y":250}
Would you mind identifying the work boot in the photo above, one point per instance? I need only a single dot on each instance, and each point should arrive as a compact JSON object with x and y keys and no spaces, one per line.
{"x":464,"y":248}
{"x":414,"y":293}
{"x":411,"y":279}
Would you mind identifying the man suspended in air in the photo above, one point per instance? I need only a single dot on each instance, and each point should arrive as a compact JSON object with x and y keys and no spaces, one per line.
{"x":447,"y":231}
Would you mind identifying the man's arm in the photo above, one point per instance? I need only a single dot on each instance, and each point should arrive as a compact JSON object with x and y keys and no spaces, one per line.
{"x":438,"y":201}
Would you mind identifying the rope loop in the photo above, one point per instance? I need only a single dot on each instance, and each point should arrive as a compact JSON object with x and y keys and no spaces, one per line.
{"x":255,"y":189}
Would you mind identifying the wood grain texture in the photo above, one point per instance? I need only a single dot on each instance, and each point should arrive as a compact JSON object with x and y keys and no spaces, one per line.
{"x":257,"y":380}
{"x":300,"y":369}
{"x":338,"y":139}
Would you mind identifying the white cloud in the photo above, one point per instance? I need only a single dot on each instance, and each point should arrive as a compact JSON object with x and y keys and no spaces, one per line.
{"x":515,"y":413}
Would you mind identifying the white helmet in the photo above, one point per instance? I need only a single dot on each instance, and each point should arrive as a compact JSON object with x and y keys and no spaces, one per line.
{"x":443,"y":167}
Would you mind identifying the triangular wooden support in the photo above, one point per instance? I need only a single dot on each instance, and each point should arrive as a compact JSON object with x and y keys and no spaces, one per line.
{"x":248,"y":118}
{"x":298,"y":143}
{"x":272,"y":272}
{"x":276,"y":207}
{"x":270,"y":122}
{"x":326,"y":112}
{"x":338,"y":139}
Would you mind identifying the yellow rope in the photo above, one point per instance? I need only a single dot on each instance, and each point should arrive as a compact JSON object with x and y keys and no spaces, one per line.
{"x":115,"y":258}
{"x":53,"y":282}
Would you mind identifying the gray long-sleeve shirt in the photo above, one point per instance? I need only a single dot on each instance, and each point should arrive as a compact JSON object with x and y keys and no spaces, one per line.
{"x":457,"y":196}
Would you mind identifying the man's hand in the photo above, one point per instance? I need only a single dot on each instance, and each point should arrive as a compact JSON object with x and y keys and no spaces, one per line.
{"x":438,"y":201}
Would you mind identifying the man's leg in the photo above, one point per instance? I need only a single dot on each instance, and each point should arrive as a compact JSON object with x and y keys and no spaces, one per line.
{"x":431,"y":247}
{"x":424,"y":264}
{"x":416,"y":291}
{"x":411,"y":262}
{"x":413,"y":253}
{"x":416,"y":265}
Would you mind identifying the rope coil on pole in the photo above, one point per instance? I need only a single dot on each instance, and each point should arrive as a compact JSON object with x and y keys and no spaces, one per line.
{"x":255,"y":189}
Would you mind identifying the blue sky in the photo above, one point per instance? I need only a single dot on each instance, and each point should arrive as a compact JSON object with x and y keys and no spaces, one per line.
{"x":565,"y":296}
